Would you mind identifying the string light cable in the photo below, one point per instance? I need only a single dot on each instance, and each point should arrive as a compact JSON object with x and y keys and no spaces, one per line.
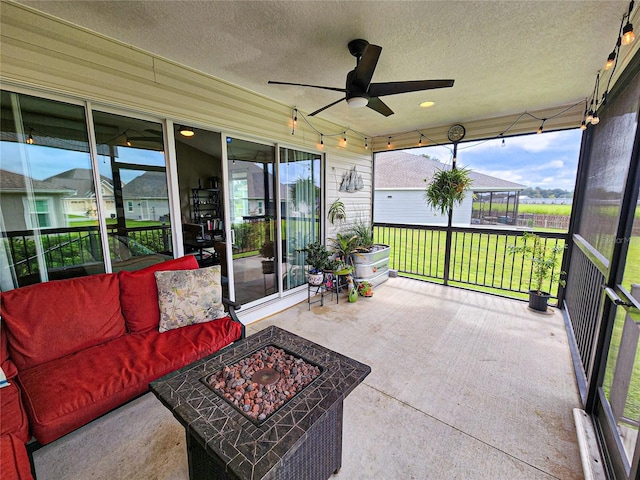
{"x":422,"y":136}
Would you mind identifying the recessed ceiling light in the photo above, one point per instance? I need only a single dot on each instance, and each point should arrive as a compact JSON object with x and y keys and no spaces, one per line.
{"x":427,"y":104}
{"x":186,"y":131}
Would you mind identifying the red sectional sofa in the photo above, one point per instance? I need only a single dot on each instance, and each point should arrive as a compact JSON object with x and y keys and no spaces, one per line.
{"x":72,"y":350}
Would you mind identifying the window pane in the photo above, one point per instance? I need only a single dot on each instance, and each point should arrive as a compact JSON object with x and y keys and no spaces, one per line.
{"x":300,"y":208}
{"x":255,"y":243}
{"x":48,"y":205}
{"x":632,"y":265}
{"x":608,"y":165}
{"x":134,"y":190}
{"x":622,"y":377}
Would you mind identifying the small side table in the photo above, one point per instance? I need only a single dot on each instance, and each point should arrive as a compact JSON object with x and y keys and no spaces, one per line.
{"x":338,"y":281}
{"x":317,"y":290}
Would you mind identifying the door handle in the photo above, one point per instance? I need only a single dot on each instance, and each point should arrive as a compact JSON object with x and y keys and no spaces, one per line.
{"x":615,"y":298}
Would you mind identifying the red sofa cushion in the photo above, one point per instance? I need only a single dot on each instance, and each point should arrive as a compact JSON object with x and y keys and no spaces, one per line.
{"x":63,"y":395}
{"x":139,"y":295}
{"x":53,"y":319}
{"x":8,"y":367}
{"x":13,"y":417}
{"x":14,"y":460}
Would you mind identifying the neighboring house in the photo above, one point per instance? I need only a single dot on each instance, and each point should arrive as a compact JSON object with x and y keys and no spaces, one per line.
{"x":83,"y":203}
{"x":146,"y":198}
{"x":248,"y":191}
{"x":399,"y":194}
{"x":46,"y":211}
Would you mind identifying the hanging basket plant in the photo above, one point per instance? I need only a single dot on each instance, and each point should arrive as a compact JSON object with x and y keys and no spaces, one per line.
{"x":447,"y":189}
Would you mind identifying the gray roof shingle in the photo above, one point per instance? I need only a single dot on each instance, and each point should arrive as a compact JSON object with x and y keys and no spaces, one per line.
{"x":400,"y":169}
{"x":11,"y":181}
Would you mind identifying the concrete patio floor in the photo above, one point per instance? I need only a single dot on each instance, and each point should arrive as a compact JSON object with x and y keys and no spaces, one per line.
{"x":464,"y":385}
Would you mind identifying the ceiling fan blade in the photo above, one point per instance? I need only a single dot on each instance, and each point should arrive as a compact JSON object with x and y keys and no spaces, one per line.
{"x":344,"y":90}
{"x":325,"y":107}
{"x":379,"y":106}
{"x":366,"y":66}
{"x":393,"y":88}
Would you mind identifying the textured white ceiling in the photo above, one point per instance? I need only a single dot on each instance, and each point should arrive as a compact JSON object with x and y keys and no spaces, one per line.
{"x":506,"y":57}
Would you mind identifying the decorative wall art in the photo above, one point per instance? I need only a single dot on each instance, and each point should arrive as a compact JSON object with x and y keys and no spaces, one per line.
{"x":351,"y":181}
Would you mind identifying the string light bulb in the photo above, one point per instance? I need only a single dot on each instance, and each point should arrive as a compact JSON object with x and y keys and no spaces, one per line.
{"x":596,"y":119}
{"x":420,"y":141}
{"x":589,"y":116}
{"x":30,"y":140}
{"x":627,"y":34}
{"x":389,"y":143}
{"x":344,"y":137}
{"x":321,"y":139}
{"x":366,"y":143}
{"x":541,"y":127}
{"x":583,"y":125}
{"x":611,"y":61}
{"x":127,"y":141}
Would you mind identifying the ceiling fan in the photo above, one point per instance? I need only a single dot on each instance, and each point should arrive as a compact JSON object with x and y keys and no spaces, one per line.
{"x":360,"y":91}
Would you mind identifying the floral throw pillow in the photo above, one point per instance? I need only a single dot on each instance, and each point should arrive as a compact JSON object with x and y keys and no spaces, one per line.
{"x":186,"y":297}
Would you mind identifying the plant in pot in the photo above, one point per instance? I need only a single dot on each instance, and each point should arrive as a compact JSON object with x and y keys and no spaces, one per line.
{"x":267,"y":252}
{"x":317,"y":257}
{"x":544,"y":261}
{"x":447,"y":189}
{"x":364,"y":235}
{"x":371,"y":260}
{"x":344,"y":246}
{"x":337,"y":212}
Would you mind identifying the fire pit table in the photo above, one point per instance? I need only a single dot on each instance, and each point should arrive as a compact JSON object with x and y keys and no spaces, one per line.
{"x":267,"y":407}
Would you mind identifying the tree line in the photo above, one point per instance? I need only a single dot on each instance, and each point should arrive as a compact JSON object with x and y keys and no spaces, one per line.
{"x":538,"y":192}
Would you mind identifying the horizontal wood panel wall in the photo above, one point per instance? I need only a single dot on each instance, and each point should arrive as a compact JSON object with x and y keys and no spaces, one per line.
{"x":41,"y":53}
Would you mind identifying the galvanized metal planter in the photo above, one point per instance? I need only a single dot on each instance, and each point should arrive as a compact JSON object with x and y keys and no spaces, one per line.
{"x":372,"y":266}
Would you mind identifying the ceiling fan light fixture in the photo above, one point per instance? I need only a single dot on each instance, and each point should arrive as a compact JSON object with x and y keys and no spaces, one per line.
{"x":357,"y":102}
{"x":186,"y":131}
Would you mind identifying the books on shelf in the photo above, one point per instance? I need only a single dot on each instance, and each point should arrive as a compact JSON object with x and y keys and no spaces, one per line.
{"x":214,"y":224}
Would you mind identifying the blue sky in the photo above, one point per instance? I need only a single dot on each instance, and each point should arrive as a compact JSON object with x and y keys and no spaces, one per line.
{"x":548,"y":160}
{"x":45,"y":162}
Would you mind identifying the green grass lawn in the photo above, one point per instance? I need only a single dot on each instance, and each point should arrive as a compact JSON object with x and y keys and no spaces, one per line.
{"x":632,"y":406}
{"x":544,"y":209}
{"x":479,"y":260}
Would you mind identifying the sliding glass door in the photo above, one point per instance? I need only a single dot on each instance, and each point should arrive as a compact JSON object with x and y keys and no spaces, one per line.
{"x":60,"y":210}
{"x":275,"y":210}
{"x":48,"y":212}
{"x":300,"y":206}
{"x":252,"y":216}
{"x":134,"y":194}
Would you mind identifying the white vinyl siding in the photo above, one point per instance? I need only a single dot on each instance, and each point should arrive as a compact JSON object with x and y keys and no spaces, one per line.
{"x":407,"y":206}
{"x":63,"y":58}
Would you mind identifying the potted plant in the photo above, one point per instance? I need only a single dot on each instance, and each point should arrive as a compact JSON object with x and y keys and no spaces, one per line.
{"x":447,"y":188}
{"x":345,"y":245}
{"x":544,"y":261}
{"x":267,"y":252}
{"x":371,"y":260}
{"x":365,"y":289}
{"x":337,"y":212}
{"x":317,"y":257}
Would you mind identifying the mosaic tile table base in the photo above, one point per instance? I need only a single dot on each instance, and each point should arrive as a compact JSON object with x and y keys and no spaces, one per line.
{"x":301,"y":439}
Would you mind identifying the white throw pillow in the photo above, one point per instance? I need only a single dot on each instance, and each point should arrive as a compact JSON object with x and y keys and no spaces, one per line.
{"x":187,"y":297}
